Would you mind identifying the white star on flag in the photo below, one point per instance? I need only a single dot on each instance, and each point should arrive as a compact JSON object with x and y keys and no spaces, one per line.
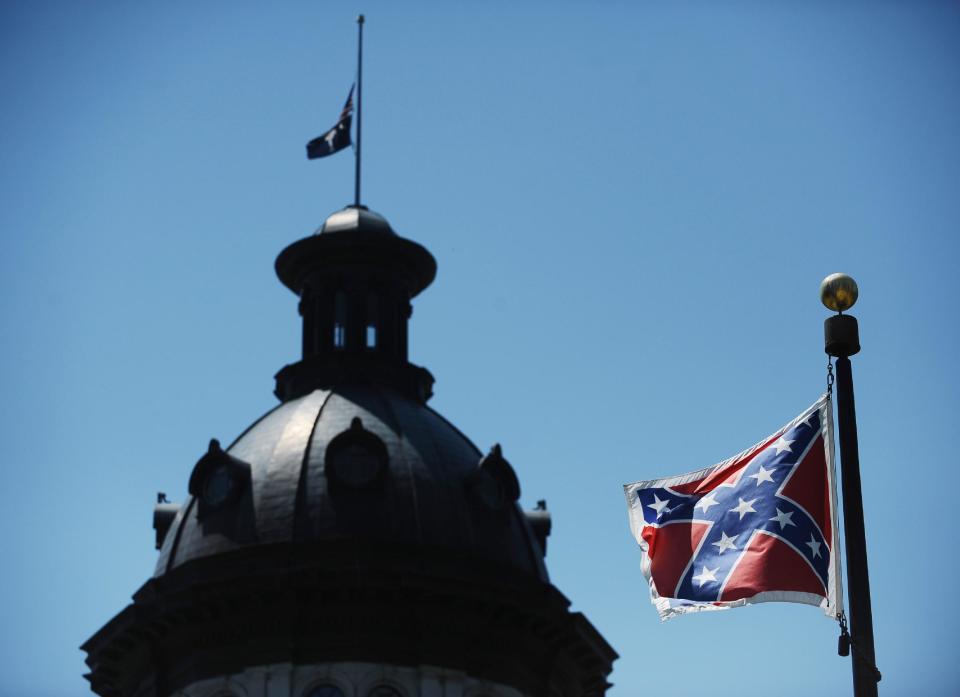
{"x":744,"y":507}
{"x":783,"y":444}
{"x":814,"y":546}
{"x":725,"y":542}
{"x":706,"y":502}
{"x":763,"y":475}
{"x":784,"y":519}
{"x":658,"y":505}
{"x":706,"y":575}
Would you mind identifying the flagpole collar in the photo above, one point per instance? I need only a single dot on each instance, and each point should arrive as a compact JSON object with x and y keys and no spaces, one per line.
{"x":841,"y":336}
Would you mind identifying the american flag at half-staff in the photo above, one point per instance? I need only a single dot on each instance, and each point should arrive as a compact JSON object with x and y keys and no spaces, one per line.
{"x":758,"y":527}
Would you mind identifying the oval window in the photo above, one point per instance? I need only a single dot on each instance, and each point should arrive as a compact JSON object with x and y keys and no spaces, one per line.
{"x":218,"y":486}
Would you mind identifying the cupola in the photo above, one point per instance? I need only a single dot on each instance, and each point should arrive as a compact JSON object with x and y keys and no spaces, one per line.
{"x":355,"y":278}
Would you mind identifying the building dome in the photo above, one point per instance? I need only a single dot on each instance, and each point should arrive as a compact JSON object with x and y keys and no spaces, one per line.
{"x":357,"y":463}
{"x":352,"y":540}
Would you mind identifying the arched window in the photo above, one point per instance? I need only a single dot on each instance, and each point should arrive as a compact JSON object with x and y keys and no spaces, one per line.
{"x":372,"y":320}
{"x":339,"y":319}
{"x":384,"y":691}
{"x":325,"y":690}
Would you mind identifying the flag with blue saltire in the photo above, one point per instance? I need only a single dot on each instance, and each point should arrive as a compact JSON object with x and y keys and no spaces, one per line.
{"x":758,"y":527}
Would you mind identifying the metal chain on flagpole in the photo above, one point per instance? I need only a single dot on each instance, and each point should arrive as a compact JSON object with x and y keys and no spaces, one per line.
{"x":829,"y":376}
{"x":845,"y":641}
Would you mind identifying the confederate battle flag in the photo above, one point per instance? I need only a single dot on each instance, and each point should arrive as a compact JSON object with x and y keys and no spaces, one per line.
{"x":756,"y":528}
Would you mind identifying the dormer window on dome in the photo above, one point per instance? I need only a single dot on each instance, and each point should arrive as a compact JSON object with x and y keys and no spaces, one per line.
{"x":218,"y":480}
{"x":356,"y":459}
{"x":493,"y":484}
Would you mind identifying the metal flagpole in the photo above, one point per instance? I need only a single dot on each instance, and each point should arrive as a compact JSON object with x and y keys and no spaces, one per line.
{"x":841,"y":340}
{"x":356,"y":186}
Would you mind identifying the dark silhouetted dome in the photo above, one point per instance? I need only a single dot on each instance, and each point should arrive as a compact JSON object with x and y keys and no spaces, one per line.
{"x":352,"y":524}
{"x":430,"y":491}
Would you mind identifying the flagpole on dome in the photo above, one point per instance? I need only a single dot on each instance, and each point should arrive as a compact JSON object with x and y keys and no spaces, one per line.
{"x":356,"y":187}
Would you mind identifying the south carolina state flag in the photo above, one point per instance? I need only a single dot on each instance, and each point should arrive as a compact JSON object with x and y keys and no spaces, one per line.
{"x":756,"y":528}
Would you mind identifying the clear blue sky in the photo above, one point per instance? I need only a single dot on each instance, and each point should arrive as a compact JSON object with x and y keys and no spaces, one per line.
{"x":632,"y":206}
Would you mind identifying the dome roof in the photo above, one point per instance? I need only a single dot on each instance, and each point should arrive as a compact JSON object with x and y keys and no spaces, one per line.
{"x":355,"y":462}
{"x":352,"y":522}
{"x":354,"y":218}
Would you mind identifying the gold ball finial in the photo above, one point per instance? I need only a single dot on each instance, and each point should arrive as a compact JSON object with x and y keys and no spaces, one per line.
{"x":838,"y":292}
